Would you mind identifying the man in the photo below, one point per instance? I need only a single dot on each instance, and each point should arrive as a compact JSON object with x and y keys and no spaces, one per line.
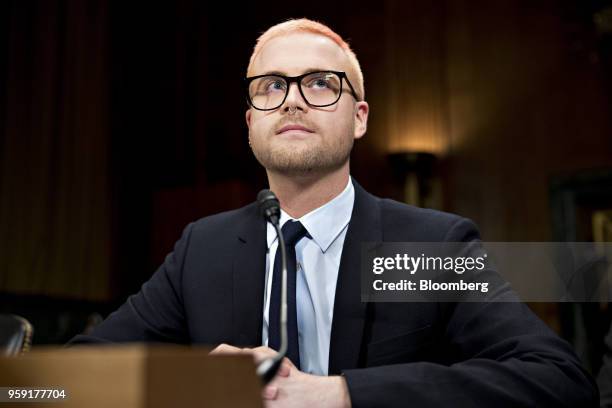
{"x":307,"y":107}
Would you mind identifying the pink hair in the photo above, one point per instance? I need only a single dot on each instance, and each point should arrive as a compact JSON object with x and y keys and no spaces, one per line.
{"x":314,"y":27}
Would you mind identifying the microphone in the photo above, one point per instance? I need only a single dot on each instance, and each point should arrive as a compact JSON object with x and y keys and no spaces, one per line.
{"x":269,"y":207}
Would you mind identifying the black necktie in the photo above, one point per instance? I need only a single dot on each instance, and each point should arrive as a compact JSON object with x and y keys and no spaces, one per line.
{"x":293,"y":231}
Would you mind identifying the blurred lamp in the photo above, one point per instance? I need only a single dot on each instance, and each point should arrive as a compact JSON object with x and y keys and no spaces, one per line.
{"x":414,"y":170}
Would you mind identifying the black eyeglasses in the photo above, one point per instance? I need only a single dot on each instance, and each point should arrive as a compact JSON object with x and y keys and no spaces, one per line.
{"x":319,"y":89}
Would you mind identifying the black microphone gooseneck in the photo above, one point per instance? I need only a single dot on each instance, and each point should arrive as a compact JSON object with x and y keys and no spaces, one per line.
{"x":269,"y":207}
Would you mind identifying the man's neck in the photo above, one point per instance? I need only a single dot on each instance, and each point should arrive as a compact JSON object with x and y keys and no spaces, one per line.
{"x":300,"y":195}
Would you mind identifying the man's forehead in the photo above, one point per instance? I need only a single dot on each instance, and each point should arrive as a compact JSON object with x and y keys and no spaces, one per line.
{"x":296,"y":53}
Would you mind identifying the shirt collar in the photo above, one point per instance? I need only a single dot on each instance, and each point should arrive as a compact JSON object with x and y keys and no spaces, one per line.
{"x":324,"y":224}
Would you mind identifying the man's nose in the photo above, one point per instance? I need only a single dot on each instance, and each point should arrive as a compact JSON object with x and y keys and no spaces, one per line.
{"x":294,"y":100}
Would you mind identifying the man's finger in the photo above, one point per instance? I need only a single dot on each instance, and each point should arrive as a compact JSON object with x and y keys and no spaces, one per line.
{"x":270,"y":392}
{"x":225,"y":349}
{"x":289,"y":363}
{"x":262,"y":352}
{"x":284,"y":370}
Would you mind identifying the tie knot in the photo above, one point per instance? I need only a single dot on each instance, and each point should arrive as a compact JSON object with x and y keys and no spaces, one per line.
{"x":293,"y":231}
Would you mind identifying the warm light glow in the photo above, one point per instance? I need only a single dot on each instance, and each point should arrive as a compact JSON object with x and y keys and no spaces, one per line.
{"x":419,"y":136}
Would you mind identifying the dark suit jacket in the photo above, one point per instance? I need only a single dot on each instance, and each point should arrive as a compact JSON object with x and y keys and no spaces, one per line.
{"x":210,"y":291}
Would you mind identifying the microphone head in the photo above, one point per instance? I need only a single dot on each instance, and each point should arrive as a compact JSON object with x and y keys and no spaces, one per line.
{"x":269,"y":207}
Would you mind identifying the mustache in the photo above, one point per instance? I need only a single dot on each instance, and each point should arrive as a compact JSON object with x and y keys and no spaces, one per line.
{"x":296,"y":120}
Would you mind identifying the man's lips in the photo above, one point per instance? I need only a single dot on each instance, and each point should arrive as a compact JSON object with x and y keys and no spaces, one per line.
{"x":293,"y":127}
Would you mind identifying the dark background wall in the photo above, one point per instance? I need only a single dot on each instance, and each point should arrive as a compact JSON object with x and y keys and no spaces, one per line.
{"x":120,"y":122}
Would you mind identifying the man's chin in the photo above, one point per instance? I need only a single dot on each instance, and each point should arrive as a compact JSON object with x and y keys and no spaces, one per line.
{"x":305,"y":168}
{"x":291,"y":159}
{"x":294,"y":169}
{"x":297,"y":161}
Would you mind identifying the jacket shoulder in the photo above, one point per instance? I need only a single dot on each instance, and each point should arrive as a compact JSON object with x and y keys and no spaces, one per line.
{"x":226,"y":218}
{"x":404,"y":222}
{"x":222,"y":226}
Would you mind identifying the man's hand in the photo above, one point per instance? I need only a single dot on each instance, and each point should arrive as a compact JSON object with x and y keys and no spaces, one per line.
{"x":299,"y":389}
{"x":259,"y":354}
{"x":293,"y":388}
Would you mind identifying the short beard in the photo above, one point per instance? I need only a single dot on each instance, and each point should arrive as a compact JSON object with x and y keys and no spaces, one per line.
{"x":315,"y":160}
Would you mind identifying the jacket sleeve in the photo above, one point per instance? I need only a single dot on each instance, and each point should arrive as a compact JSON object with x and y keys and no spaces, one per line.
{"x":155,"y":313}
{"x":505,"y":357}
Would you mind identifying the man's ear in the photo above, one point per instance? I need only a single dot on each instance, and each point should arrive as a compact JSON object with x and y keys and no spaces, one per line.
{"x":247,"y":116}
{"x":361,"y":119}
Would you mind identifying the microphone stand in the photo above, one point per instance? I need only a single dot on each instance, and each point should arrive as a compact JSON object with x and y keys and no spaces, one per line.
{"x":268,"y":368}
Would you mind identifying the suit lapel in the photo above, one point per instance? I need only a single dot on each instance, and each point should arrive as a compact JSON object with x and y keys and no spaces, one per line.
{"x":249,"y":279}
{"x":349,"y":311}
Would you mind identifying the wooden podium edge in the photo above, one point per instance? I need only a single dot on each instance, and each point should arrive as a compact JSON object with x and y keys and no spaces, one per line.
{"x":135,"y":376}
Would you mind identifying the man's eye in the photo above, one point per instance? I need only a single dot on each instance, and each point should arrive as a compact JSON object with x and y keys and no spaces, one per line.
{"x":275,"y":86}
{"x":318,"y":83}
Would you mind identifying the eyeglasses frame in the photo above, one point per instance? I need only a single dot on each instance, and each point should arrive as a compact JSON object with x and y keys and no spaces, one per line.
{"x":298,"y":79}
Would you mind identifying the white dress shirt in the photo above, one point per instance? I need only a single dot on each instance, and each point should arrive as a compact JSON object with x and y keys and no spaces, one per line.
{"x":318,"y":261}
